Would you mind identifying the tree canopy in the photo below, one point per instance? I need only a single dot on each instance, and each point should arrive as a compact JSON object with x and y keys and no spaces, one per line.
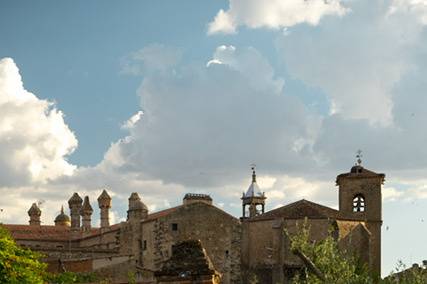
{"x":19,"y":265}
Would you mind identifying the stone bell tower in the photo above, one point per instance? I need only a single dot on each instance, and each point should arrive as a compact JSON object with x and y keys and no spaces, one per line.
{"x":360,"y":199}
{"x":253,"y":198}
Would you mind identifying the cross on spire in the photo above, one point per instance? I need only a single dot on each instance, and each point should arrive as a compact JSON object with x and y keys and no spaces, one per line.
{"x":359,"y":157}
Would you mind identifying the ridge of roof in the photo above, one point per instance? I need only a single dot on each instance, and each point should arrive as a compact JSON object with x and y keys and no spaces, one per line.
{"x":298,"y":210}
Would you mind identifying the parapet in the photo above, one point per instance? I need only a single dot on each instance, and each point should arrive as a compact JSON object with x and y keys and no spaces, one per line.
{"x":197,"y":197}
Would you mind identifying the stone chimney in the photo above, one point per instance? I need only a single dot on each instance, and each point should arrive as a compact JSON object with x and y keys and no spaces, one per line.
{"x":195,"y":197}
{"x":137,"y":209}
{"x":34,"y":212}
{"x":86,"y":213}
{"x":75,"y":204}
{"x":104,"y":203}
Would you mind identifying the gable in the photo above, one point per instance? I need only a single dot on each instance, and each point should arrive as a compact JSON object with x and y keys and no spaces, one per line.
{"x":300,"y":210}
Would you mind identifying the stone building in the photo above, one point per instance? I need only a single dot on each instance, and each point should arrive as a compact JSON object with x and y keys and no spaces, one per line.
{"x":254,"y":245}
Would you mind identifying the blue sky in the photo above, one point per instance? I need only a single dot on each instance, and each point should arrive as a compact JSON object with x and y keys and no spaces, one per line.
{"x":167,"y":97}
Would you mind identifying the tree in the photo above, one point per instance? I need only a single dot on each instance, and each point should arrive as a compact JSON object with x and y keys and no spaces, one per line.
{"x":19,"y":265}
{"x":328,"y":263}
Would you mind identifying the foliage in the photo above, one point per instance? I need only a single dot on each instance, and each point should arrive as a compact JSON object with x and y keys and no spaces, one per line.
{"x":19,"y":265}
{"x":335,"y":266}
{"x":403,"y":275}
{"x":72,"y":277}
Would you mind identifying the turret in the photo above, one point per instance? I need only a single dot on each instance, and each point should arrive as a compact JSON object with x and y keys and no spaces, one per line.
{"x":104,"y":203}
{"x":86,"y":212}
{"x":75,"y":204}
{"x":34,"y":212}
{"x":253,"y":198}
{"x":137,"y":209}
{"x":62,"y":219}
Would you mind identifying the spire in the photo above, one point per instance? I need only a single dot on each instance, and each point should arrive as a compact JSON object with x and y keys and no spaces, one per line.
{"x":253,"y":198}
{"x":253,"y":189}
{"x":253,"y":173}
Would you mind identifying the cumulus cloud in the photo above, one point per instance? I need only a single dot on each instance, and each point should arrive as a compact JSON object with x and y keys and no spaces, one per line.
{"x":34,"y":139}
{"x":273,"y":14}
{"x":356,"y":60}
{"x":199,"y":119}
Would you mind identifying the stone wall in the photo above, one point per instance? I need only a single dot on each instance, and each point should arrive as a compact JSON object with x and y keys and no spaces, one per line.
{"x":219,"y":233}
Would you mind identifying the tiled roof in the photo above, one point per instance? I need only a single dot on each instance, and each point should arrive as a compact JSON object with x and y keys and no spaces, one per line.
{"x":27,"y":232}
{"x":299,"y":210}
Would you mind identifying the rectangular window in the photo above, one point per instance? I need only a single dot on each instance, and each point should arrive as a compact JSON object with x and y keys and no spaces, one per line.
{"x":174,"y":227}
{"x":144,"y":245}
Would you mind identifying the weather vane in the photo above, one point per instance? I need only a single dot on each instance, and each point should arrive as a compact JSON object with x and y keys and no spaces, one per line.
{"x":359,"y":157}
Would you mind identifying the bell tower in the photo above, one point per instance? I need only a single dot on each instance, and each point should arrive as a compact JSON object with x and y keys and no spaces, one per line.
{"x":360,"y":200}
{"x":253,"y":201}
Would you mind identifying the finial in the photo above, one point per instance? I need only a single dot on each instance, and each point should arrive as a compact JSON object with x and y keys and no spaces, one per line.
{"x":359,"y":157}
{"x":62,"y":209}
{"x":253,"y":166}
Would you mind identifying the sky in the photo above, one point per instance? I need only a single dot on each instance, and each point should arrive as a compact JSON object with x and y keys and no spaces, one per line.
{"x":168,"y":97}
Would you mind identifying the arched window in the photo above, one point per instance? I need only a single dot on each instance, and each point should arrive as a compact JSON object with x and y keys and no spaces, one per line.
{"x":359,"y":204}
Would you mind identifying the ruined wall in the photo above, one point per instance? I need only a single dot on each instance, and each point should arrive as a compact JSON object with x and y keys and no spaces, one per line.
{"x":266,"y":247}
{"x":219,"y":233}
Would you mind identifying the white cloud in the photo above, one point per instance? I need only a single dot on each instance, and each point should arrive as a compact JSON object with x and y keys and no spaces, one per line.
{"x":413,"y":7}
{"x":34,"y":139}
{"x":356,"y":60}
{"x":152,"y":58}
{"x":273,"y":14}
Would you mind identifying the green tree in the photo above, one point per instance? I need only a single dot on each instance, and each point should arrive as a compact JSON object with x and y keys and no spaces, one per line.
{"x":333,"y":265}
{"x":19,"y":265}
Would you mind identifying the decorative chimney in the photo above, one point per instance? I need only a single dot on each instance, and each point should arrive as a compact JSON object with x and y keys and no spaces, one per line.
{"x":34,"y":212}
{"x":86,"y":213}
{"x":75,"y":204}
{"x":104,"y":203}
{"x":137,"y":209}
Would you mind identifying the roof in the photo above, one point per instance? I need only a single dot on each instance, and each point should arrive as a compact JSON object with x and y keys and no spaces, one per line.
{"x":162,"y":213}
{"x":62,"y":217}
{"x":27,"y":232}
{"x":166,"y":212}
{"x":253,"y":189}
{"x":49,"y":232}
{"x":299,"y":210}
{"x":357,"y":171}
